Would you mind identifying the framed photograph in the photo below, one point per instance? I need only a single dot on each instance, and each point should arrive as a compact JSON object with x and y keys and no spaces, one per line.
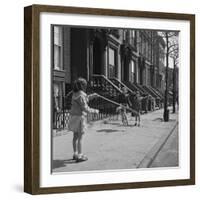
{"x":109,"y":99}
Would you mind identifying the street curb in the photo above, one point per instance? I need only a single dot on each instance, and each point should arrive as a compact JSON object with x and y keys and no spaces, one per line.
{"x":150,"y":156}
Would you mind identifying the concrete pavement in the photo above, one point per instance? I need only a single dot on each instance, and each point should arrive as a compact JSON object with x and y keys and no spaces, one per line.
{"x":168,"y":155}
{"x":109,"y":145}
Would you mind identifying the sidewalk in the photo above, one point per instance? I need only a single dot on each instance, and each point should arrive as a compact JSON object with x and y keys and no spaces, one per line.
{"x":114,"y":146}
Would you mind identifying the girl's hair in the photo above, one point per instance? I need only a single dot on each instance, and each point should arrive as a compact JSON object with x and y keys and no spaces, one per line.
{"x":80,"y":84}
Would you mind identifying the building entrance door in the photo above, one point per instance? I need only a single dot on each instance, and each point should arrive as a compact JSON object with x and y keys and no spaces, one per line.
{"x":97,"y":62}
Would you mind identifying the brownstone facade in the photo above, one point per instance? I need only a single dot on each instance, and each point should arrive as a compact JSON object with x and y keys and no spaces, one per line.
{"x":135,"y":56}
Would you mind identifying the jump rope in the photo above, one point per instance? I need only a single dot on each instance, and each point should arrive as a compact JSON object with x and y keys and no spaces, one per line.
{"x":113,"y":102}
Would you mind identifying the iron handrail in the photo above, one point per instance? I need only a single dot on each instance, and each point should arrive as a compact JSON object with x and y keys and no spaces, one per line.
{"x":109,"y":81}
{"x":121,"y":84}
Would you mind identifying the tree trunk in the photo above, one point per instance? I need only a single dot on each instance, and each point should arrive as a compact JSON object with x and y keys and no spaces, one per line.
{"x":166,"y":111}
{"x":174,"y":87}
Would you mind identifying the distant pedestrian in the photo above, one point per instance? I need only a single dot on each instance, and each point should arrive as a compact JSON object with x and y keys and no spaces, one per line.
{"x":78,"y":119}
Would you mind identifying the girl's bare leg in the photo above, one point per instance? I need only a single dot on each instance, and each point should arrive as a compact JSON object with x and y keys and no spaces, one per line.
{"x":80,"y":157}
{"x":80,"y":138}
{"x":135,"y":120}
{"x":139,"y":119}
{"x":75,"y":143}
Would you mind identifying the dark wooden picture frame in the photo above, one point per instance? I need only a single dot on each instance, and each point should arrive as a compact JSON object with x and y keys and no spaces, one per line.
{"x":32,"y":93}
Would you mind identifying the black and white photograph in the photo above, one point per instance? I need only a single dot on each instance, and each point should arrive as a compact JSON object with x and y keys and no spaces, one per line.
{"x":109,"y":99}
{"x":114,"y":98}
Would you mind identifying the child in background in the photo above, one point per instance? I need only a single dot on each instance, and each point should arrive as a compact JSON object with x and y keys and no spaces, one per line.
{"x":135,"y":100}
{"x":138,"y":99}
{"x":78,"y":116}
{"x":124,"y":100}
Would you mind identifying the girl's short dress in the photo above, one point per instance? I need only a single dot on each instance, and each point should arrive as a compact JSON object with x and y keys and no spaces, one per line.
{"x":78,"y":113}
{"x":77,"y":124}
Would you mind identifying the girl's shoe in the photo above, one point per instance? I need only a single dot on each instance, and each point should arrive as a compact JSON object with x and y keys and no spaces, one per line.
{"x":75,"y":157}
{"x":81,"y":158}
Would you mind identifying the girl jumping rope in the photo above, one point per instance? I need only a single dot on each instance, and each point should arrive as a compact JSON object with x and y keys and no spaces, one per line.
{"x":135,"y":100}
{"x":78,"y":116}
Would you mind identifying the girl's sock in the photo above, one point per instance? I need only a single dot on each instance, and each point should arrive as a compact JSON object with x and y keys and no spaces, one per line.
{"x":80,"y":155}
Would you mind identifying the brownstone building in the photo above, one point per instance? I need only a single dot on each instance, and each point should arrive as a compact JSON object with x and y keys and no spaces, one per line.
{"x":108,"y":59}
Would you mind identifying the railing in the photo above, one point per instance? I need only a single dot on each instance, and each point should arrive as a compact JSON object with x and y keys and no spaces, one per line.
{"x":99,"y":84}
{"x":134,"y":87}
{"x":151,"y":91}
{"x":161,"y":101}
{"x":158,"y":92}
{"x":120,"y":85}
{"x":106,"y":110}
{"x":103,"y":86}
{"x":141,"y":88}
{"x":61,"y":119}
{"x":153,"y":94}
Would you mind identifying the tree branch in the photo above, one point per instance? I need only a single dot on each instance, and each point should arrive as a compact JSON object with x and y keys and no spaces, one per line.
{"x":174,"y":50}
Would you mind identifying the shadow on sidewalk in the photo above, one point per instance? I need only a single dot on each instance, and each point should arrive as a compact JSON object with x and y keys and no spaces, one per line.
{"x":108,"y":130}
{"x":62,"y":163}
{"x":161,"y":120}
{"x":121,"y":125}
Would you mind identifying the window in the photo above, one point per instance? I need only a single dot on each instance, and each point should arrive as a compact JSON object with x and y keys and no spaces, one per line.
{"x":133,"y":39}
{"x":143,"y":47}
{"x":124,"y":35}
{"x":111,"y":57}
{"x":58,"y":48}
{"x":146,"y":48}
{"x":132,"y":72}
{"x":149,"y":51}
{"x":140,"y":43}
{"x":112,"y":63}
